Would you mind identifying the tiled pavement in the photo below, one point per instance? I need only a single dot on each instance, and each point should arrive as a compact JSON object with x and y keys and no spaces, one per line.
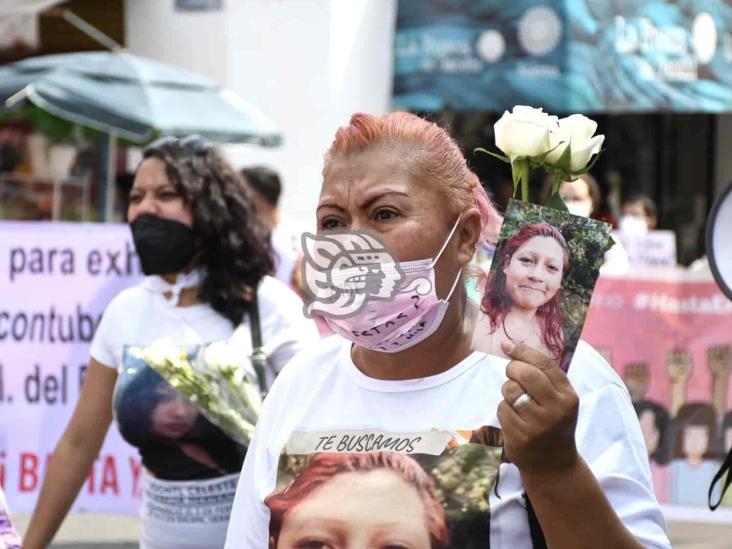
{"x":115,"y":532}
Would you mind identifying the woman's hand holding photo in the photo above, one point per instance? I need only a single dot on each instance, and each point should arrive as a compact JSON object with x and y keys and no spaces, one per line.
{"x":539,"y":432}
{"x":539,"y":437}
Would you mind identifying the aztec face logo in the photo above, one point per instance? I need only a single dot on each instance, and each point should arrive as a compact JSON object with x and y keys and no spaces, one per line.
{"x":342,"y":271}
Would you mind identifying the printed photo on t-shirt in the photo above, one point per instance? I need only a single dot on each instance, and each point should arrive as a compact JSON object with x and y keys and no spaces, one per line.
{"x":541,"y":281}
{"x":9,"y":537}
{"x":372,"y":489}
{"x":188,"y":418}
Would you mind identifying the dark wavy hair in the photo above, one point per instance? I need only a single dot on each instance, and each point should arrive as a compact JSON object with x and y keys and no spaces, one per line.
{"x":233,"y":243}
{"x":496,"y":303}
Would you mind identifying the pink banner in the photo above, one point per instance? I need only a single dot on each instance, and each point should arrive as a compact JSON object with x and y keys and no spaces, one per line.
{"x":669,"y":338}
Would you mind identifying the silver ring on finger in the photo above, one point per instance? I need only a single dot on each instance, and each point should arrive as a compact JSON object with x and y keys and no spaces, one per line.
{"x":521,"y":401}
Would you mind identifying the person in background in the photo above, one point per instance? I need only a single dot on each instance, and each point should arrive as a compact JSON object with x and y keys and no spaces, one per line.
{"x":726,"y":445}
{"x":267,"y":187}
{"x":639,"y":213}
{"x":583,"y":197}
{"x":207,"y":259}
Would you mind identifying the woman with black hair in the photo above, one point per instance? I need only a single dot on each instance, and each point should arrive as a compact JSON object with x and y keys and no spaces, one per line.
{"x":207,"y":260}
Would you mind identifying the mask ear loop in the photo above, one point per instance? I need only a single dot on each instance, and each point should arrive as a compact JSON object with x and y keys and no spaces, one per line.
{"x":449,"y":238}
{"x":454,"y":285}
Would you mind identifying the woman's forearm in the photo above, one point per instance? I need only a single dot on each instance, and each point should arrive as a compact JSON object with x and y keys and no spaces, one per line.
{"x":67,"y":470}
{"x":572,"y":509}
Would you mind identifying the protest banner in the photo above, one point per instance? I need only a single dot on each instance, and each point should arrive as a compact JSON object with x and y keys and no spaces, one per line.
{"x":649,"y":249}
{"x":669,"y":336}
{"x":56,"y":280}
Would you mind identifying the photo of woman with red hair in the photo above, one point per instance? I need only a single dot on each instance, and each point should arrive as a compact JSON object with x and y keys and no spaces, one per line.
{"x":521,"y":302}
{"x":379,"y":500}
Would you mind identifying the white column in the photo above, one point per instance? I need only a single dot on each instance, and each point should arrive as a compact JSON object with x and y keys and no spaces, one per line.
{"x":308,"y":64}
{"x":191,"y":40}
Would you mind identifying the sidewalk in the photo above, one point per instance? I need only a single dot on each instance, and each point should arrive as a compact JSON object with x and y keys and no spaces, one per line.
{"x":115,"y":532}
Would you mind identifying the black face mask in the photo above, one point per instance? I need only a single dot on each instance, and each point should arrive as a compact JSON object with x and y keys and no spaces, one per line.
{"x":163,"y":245}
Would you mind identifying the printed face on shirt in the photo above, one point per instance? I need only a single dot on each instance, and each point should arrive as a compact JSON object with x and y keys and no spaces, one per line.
{"x":696,"y":441}
{"x":371,"y":510}
{"x":651,"y":435}
{"x":173,"y":416}
{"x":534,"y":272}
{"x":153,"y":193}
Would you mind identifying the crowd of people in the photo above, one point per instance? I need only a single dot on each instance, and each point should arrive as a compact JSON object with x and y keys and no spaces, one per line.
{"x":333,"y":461}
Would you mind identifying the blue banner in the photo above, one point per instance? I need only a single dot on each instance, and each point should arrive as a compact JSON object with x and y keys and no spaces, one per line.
{"x":564,"y":55}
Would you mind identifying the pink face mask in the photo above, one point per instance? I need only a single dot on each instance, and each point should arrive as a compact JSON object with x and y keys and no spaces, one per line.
{"x":381,"y":321}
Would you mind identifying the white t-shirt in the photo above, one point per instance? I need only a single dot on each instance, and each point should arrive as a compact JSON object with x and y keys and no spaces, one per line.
{"x":191,"y":478}
{"x":323,"y":403}
{"x":287,"y":248}
{"x":137,"y":316}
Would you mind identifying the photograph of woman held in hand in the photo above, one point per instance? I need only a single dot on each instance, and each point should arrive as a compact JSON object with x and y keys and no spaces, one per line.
{"x":521,"y":302}
{"x":539,"y":286}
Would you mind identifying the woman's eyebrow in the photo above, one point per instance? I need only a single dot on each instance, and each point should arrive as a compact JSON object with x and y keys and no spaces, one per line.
{"x":369,"y":200}
{"x":330,"y":205}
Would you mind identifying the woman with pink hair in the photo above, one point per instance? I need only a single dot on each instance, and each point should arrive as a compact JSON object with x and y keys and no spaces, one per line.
{"x":401,"y":375}
{"x":522,"y":295}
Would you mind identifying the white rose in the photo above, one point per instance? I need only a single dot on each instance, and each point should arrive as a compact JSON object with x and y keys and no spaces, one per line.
{"x":576,"y":130}
{"x":219,"y":356}
{"x":215,"y":355}
{"x":161,"y":351}
{"x":525,"y":132}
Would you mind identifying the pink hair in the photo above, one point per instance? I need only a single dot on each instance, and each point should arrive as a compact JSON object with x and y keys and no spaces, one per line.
{"x":496,"y":302}
{"x":433,"y":156}
{"x":324,"y":466}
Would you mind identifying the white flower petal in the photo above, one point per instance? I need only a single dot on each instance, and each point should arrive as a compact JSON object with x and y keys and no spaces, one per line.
{"x":582,"y":155}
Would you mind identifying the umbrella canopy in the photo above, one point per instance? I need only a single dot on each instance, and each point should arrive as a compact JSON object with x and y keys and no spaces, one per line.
{"x":132,"y":97}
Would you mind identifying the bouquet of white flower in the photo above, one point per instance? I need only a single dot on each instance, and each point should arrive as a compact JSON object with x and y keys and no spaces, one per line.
{"x":531,"y":138}
{"x":215,"y":378}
